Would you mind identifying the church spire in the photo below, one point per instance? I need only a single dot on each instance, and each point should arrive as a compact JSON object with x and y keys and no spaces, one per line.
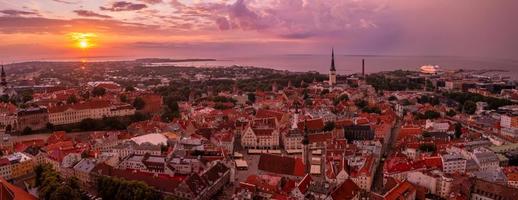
{"x":3,"y":81}
{"x":333,"y":60}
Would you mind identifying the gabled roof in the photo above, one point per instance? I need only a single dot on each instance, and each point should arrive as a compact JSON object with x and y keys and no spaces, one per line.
{"x":263,"y":113}
{"x":304,"y":184}
{"x":312,"y":124}
{"x":348,"y":190}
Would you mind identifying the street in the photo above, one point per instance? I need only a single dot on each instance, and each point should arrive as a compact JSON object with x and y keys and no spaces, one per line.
{"x":377,"y":183}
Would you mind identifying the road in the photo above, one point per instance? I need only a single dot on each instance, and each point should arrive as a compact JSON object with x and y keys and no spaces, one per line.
{"x":377,"y":183}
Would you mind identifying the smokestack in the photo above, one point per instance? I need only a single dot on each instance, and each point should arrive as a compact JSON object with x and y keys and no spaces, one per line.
{"x":363,"y":67}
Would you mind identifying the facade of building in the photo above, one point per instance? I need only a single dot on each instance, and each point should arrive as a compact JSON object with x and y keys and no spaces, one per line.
{"x":35,"y":118}
{"x":70,"y":114}
{"x":452,"y":163}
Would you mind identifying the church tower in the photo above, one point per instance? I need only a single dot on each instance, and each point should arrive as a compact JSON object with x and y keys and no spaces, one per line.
{"x":332,"y":71}
{"x":306,"y":151}
{"x":4,"y":80}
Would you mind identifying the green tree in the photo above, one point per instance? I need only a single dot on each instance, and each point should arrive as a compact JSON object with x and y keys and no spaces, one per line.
{"x":27,"y":131}
{"x":129,"y":88}
{"x":89,"y":124}
{"x":50,"y":126}
{"x":430,"y":114}
{"x":251,"y":97}
{"x":329,"y":126}
{"x":324,"y":92}
{"x":451,"y":113}
{"x":123,"y":98}
{"x":469,"y":107}
{"x":341,"y":98}
{"x":26,"y":96}
{"x":98,"y":91}
{"x":139,"y":103}
{"x":72,"y":99}
{"x":361,"y":103}
{"x":65,"y":192}
{"x":4,"y":98}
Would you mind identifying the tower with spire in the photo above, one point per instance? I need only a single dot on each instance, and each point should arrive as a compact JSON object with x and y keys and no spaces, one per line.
{"x":4,"y":80}
{"x":306,"y":151}
{"x":332,"y":71}
{"x":5,"y":89}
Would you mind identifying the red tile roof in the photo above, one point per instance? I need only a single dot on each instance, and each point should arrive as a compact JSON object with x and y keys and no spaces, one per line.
{"x":93,"y":104}
{"x":11,"y":192}
{"x":283,"y":165}
{"x":402,"y":190}
{"x":348,"y":190}
{"x":312,"y":124}
{"x":263,"y":113}
{"x":304,"y":184}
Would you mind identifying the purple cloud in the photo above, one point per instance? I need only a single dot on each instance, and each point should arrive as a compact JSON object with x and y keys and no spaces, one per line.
{"x":124,"y":6}
{"x":151,"y":1}
{"x":87,"y":13}
{"x":13,"y":24}
{"x":17,"y":12}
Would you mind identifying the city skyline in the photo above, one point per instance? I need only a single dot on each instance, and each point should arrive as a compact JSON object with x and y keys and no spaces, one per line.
{"x":62,"y":29}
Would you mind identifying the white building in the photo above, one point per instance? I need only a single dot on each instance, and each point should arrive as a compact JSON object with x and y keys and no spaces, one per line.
{"x":452,"y":163}
{"x":74,"y":113}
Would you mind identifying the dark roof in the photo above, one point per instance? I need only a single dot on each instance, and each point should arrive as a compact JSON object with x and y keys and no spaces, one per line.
{"x":196,"y":184}
{"x":215,"y":172}
{"x":281,"y":165}
{"x":348,"y":190}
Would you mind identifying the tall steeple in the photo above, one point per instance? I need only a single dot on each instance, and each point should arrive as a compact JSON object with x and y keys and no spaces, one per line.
{"x":332,"y":60}
{"x":3,"y":81}
{"x":306,"y":151}
{"x":332,"y":71}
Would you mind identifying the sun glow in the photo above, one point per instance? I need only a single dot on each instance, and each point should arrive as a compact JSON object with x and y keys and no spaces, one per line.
{"x":83,"y":40}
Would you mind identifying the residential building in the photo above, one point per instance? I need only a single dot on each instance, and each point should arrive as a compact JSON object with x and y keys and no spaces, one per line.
{"x":453,"y":162}
{"x":35,"y":118}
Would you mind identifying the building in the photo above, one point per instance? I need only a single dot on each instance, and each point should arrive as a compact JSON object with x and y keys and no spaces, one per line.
{"x":348,"y":190}
{"x":75,"y":113}
{"x":35,"y":118}
{"x":358,"y":132}
{"x":16,"y":165}
{"x":10,"y":192}
{"x":332,"y":71}
{"x":452,"y":163}
{"x":8,"y":121}
{"x":486,"y":160}
{"x":402,"y":191}
{"x":484,"y":190}
{"x":5,"y":89}
{"x":83,"y":169}
{"x":262,"y":134}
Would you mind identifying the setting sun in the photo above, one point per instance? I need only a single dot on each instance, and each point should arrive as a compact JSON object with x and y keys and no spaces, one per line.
{"x":82,"y":40}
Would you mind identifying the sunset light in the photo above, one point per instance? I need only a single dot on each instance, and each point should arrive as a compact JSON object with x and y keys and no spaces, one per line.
{"x":258,"y":99}
{"x":83,"y":40}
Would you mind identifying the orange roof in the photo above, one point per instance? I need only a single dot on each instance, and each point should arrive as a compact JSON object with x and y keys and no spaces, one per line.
{"x":9,"y":191}
{"x":95,"y":104}
{"x":402,"y":190}
{"x":348,"y":190}
{"x":512,"y":176}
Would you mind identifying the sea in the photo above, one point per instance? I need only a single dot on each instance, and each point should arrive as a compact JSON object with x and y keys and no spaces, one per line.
{"x":350,"y":64}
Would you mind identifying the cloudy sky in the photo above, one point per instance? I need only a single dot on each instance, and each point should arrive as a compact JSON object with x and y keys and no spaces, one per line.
{"x":56,"y":29}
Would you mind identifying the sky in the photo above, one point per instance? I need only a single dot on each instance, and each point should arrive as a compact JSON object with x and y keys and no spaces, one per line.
{"x":63,"y":29}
